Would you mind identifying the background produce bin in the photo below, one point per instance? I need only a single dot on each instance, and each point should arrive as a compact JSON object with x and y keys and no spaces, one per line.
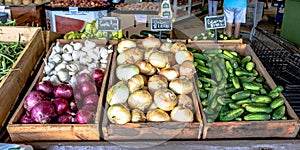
{"x":250,"y":129}
{"x":14,"y":81}
{"x":57,"y":132}
{"x":66,"y":19}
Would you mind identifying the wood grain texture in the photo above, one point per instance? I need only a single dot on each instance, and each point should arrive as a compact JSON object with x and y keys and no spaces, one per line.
{"x":26,"y":15}
{"x":14,"y":81}
{"x":249,"y":129}
{"x":150,"y":130}
{"x":57,"y":132}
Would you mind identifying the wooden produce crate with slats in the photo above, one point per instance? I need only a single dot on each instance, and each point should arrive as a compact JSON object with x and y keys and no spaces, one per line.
{"x":249,"y":129}
{"x":151,"y":130}
{"x":57,"y":132}
{"x":12,"y":84}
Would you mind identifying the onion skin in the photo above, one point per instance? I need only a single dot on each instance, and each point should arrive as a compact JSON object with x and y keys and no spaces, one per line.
{"x":135,"y":83}
{"x":137,"y":116}
{"x":89,"y":107}
{"x":169,"y":73}
{"x":185,"y":102}
{"x":158,"y":59}
{"x":183,"y":55}
{"x":181,"y":86}
{"x":187,"y":69}
{"x":84,"y":116}
{"x":33,"y":98}
{"x":117,"y":94}
{"x":177,"y":46}
{"x":83,"y":77}
{"x":43,"y":112}
{"x":91,"y":99}
{"x":148,"y":52}
{"x":171,"y":58}
{"x":146,"y":68}
{"x":26,"y":119}
{"x":61,"y":105}
{"x":87,"y":88}
{"x":157,"y":115}
{"x":165,"y":99}
{"x":64,"y":118}
{"x":166,"y":46}
{"x":118,"y":114}
{"x":45,"y":87}
{"x":124,"y":45}
{"x":182,"y":114}
{"x":73,"y":106}
{"x":130,"y":56}
{"x":156,"y":82}
{"x":151,"y":42}
{"x":63,"y":91}
{"x":140,"y":99}
{"x":98,"y":75}
{"x":125,"y":72}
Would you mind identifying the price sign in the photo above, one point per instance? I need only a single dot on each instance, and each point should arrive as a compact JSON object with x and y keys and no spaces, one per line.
{"x":161,"y":24}
{"x":215,"y":22}
{"x":2,"y":8}
{"x":109,"y":24}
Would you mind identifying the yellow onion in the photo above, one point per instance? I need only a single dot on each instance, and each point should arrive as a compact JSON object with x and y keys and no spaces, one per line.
{"x":157,"y":115}
{"x":158,"y":59}
{"x":117,"y":94}
{"x":156,"y":82}
{"x":130,"y":56}
{"x":169,"y":73}
{"x":146,"y":68}
{"x":118,"y":114}
{"x":147,"y":53}
{"x":187,"y":69}
{"x":135,"y":83}
{"x":182,"y":114}
{"x":137,"y":116}
{"x":152,"y":106}
{"x":124,"y":45}
{"x":183,"y":55}
{"x":166,"y":46}
{"x":125,"y":72}
{"x":171,"y":58}
{"x":177,"y":46}
{"x":165,"y":99}
{"x":185,"y":102}
{"x":140,"y":99}
{"x":151,"y":42}
{"x":181,"y":85}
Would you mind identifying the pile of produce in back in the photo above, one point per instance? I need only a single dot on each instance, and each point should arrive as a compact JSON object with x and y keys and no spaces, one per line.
{"x":9,"y":53}
{"x":69,"y":91}
{"x":231,"y":89}
{"x":153,"y":82}
{"x":210,"y":35}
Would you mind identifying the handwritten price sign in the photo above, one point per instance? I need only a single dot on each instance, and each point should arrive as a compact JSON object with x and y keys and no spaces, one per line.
{"x":215,"y":22}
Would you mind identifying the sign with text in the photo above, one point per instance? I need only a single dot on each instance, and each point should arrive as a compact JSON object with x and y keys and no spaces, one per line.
{"x":215,"y":22}
{"x":109,"y":24}
{"x":161,"y":24}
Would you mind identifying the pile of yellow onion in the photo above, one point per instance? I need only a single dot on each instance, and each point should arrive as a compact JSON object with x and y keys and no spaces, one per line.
{"x":154,"y":83}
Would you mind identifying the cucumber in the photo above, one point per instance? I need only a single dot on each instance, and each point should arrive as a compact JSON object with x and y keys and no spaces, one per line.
{"x":261,"y":99}
{"x":199,"y":62}
{"x":212,"y":93}
{"x":200,"y":56}
{"x":227,"y":53}
{"x":258,"y":84}
{"x":229,"y":85}
{"x":278,"y":113}
{"x":255,"y":72}
{"x":236,"y":82}
{"x":199,"y":84}
{"x":255,"y":92}
{"x":246,"y":79}
{"x":208,"y":111}
{"x":250,"y":66}
{"x":234,"y":53}
{"x":206,"y":85}
{"x":258,"y":109}
{"x":234,"y":64}
{"x":251,"y":86}
{"x":213,"y":103}
{"x":245,"y":60}
{"x":215,"y":51}
{"x":260,"y":79}
{"x":155,"y":34}
{"x":240,"y":95}
{"x":238,"y":119}
{"x":202,"y":93}
{"x":193,"y":50}
{"x":204,"y":70}
{"x":244,"y":101}
{"x":207,"y":80}
{"x":263,"y":91}
{"x":232,"y":90}
{"x":232,"y":114}
{"x":257,"y":117}
{"x":226,"y":57}
{"x":258,"y":104}
{"x":204,"y":103}
{"x":222,"y":84}
{"x":240,"y":73}
{"x":277,"y":89}
{"x":234,"y":106}
{"x":217,"y":71}
{"x":228,"y":67}
{"x":224,"y":101}
{"x":284,"y":118}
{"x":274,"y":95}
{"x":277,"y":103}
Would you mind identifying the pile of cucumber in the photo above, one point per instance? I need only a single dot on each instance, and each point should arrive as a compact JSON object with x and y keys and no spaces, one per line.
{"x":210,"y":35}
{"x":231,"y":89}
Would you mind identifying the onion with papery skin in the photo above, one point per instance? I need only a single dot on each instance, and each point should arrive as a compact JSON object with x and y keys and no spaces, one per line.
{"x":87,"y":88}
{"x":181,"y":85}
{"x":147,"y":53}
{"x":137,"y":116}
{"x":118,"y":114}
{"x":26,"y":118}
{"x":165,"y":99}
{"x":187,"y":69}
{"x":32,"y":99}
{"x":152,"y":106}
{"x":183,"y":55}
{"x":140,"y":99}
{"x":156,"y":82}
{"x":151,"y":42}
{"x":157,"y":115}
{"x":166,"y":46}
{"x":64,"y":118}
{"x":177,"y":46}
{"x":98,"y":75}
{"x":171,"y":58}
{"x":63,"y":91}
{"x":89,"y":107}
{"x":117,"y":94}
{"x":135,"y":83}
{"x":43,"y":112}
{"x":61,"y":105}
{"x":130,"y":56}
{"x":73,"y":106}
{"x":169,"y":73}
{"x":84,"y":116}
{"x":146,"y":68}
{"x":182,"y":114}
{"x":124,"y":45}
{"x":158,"y":59}
{"x":186,"y":102}
{"x":125,"y":72}
{"x":91,"y":99}
{"x":46,"y":87}
{"x":83,"y":77}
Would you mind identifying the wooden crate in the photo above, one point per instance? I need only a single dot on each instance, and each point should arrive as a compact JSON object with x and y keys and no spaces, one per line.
{"x":238,"y":41}
{"x":12,"y":84}
{"x":57,"y":132}
{"x":249,"y":129}
{"x":150,"y":130}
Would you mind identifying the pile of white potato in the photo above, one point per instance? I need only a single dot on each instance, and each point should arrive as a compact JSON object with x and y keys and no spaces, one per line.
{"x":153,"y":82}
{"x":67,"y":61}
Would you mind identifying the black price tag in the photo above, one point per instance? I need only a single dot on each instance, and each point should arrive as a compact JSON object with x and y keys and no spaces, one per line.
{"x":109,"y":24}
{"x":215,"y":22}
{"x":161,"y":24}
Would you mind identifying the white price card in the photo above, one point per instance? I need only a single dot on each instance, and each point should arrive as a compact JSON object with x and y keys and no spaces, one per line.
{"x":2,"y":8}
{"x":141,"y":18}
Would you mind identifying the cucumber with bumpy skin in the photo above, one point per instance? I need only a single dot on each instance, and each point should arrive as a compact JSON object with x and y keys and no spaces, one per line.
{"x":257,"y":117}
{"x":232,"y":114}
{"x":279,"y":113}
